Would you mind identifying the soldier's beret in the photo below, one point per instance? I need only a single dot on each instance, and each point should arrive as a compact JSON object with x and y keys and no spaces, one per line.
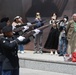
{"x":7,"y":29}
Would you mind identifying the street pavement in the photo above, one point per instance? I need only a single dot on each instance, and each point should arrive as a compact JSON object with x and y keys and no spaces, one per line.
{"x":25,"y":71}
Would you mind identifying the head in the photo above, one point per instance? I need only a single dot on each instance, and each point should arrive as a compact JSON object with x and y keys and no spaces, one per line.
{"x":54,"y":16}
{"x":53,"y":19}
{"x":17,"y":19}
{"x":74,"y":17}
{"x":7,"y":31}
{"x":6,"y":20}
{"x":38,"y":15}
{"x":65,"y":18}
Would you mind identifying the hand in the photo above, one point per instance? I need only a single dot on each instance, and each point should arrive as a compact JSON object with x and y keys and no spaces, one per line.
{"x":25,"y":28}
{"x":21,"y":38}
{"x":29,"y":24}
{"x":36,"y":32}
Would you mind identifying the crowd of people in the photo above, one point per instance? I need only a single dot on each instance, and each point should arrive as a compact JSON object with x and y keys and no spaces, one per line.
{"x":61,"y":38}
{"x":13,"y":36}
{"x":57,"y":39}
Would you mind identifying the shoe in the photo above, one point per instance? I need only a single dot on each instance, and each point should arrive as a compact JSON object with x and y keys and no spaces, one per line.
{"x":35,"y":52}
{"x":22,"y":52}
{"x":51,"y":53}
{"x":40,"y":52}
{"x":56,"y":53}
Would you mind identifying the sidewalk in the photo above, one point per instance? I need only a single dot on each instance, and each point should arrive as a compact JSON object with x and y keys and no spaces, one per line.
{"x":43,"y":57}
{"x":45,"y":64}
{"x":24,"y":71}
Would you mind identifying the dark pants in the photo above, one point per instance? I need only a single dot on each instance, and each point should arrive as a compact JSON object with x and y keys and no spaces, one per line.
{"x":10,"y":72}
{"x":0,"y":68}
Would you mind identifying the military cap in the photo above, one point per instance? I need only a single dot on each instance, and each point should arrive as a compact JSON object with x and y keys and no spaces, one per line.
{"x":7,"y":29}
{"x":3,"y":24}
{"x":4,"y":19}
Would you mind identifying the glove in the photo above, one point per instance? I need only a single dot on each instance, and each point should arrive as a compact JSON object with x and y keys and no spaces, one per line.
{"x":21,"y":38}
{"x":36,"y":32}
{"x":29,"y":24}
{"x":25,"y":28}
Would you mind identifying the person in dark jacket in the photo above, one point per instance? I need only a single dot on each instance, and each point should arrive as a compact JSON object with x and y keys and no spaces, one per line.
{"x":63,"y":37}
{"x":3,"y":22}
{"x":9,"y":48}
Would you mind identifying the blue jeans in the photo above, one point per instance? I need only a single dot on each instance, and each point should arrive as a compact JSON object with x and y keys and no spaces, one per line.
{"x":10,"y":72}
{"x":62,"y":46}
{"x":0,"y":68}
{"x":21,"y":47}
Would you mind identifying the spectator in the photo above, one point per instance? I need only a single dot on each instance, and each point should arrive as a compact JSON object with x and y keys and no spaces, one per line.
{"x":71,"y":35}
{"x":18,"y":21}
{"x":52,"y":40}
{"x":38,"y":38}
{"x":62,"y":37}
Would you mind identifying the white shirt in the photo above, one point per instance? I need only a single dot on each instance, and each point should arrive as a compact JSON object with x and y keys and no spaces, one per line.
{"x":15,"y":24}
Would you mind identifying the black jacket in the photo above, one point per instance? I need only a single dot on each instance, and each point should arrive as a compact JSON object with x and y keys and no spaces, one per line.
{"x":9,"y":47}
{"x":2,"y":57}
